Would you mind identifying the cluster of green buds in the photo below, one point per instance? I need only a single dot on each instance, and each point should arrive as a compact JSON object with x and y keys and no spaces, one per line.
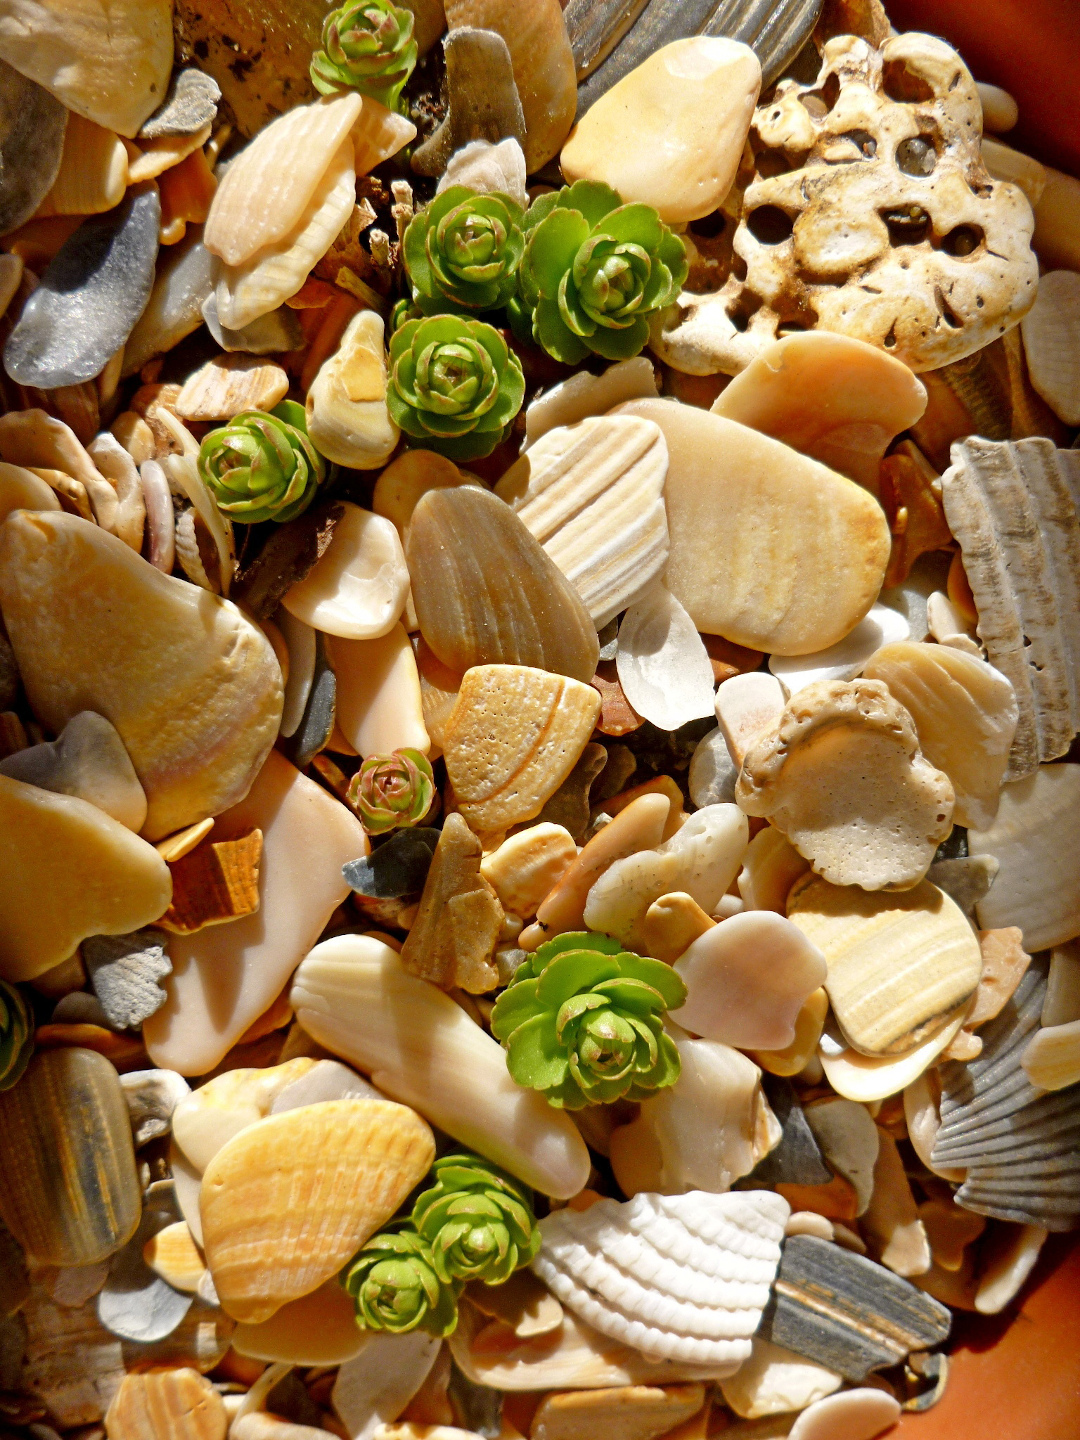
{"x":462,"y":251}
{"x":16,"y":1035}
{"x":392,"y":791}
{"x":582,"y":1022}
{"x":475,"y":1223}
{"x":367,"y":47}
{"x":262,"y":465}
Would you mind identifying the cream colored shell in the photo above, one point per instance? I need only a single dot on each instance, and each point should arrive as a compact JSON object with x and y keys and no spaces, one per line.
{"x":843,"y":777}
{"x":347,"y":418}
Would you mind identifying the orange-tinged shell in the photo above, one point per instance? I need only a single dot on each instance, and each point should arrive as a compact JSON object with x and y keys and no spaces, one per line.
{"x":269,"y":185}
{"x":167,"y":1405}
{"x":289,"y":1200}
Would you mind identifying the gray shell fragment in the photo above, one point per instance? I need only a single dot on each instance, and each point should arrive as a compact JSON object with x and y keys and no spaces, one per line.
{"x":124,"y":971}
{"x":32,"y":128}
{"x":1013,"y":508}
{"x":1020,"y":1145}
{"x":191,"y":103}
{"x":137,"y":1304}
{"x":89,"y":298}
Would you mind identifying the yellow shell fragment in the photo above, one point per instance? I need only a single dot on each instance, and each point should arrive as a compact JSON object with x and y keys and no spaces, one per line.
{"x":843,"y":777}
{"x":290,"y":1199}
{"x":173,"y":1254}
{"x":965,"y":713}
{"x":900,"y":965}
{"x":167,"y":1405}
{"x":347,"y":417}
{"x":1051,"y":1058}
{"x":527,"y":866}
{"x":513,"y":737}
{"x":93,"y":172}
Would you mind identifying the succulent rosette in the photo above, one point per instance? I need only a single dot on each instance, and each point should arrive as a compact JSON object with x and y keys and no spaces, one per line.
{"x":455,"y":386}
{"x":478,"y":1221}
{"x":463,"y":250}
{"x":16,"y":1035}
{"x":391,"y":791}
{"x":397,"y":1288}
{"x":367,"y":47}
{"x":593,"y":271}
{"x":262,"y":466}
{"x":582,"y":1022}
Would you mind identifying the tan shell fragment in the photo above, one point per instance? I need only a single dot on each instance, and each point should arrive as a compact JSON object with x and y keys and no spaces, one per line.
{"x":1013,"y":508}
{"x":93,"y":172}
{"x":1051,"y":331}
{"x":625,"y":1412}
{"x":289,"y":1200}
{"x":965,"y":713}
{"x":527,"y":866}
{"x":347,"y":418}
{"x":37,"y":440}
{"x":173,"y":1254}
{"x":452,"y":939}
{"x":167,"y":1405}
{"x":900,"y":965}
{"x":592,"y":494}
{"x":513,"y":737}
{"x":843,"y":777}
{"x":887,"y":229}
{"x":229,"y":384}
{"x":270,"y":184}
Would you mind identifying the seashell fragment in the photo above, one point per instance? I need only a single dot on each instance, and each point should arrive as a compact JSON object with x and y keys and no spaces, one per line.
{"x":290,"y":1199}
{"x":184,"y":281}
{"x":891,"y":1224}
{"x":748,"y":706}
{"x":774,"y":1381}
{"x":1013,"y":508}
{"x":440,"y":1061}
{"x":124,"y":971}
{"x":88,"y":761}
{"x":1017,"y":1143}
{"x":854,"y":1415}
{"x":191,"y":103}
{"x":592,"y":494}
{"x":114,"y":462}
{"x":21,"y":489}
{"x":347,"y":418}
{"x":701,"y":858}
{"x":119,"y":635}
{"x":90,"y":297}
{"x":214,"y":883}
{"x":900,"y":965}
{"x":527,"y":866}
{"x":680,"y":1277}
{"x":584,"y":395}
{"x":770,"y":868}
{"x":73,"y":1198}
{"x":458,"y":920}
{"x":1062,"y":1003}
{"x":848,"y":657}
{"x":136,"y":1303}
{"x":542,"y":723}
{"x":379,"y":704}
{"x":357,"y":588}
{"x":843,"y":777}
{"x":713,"y":772}
{"x":486,"y":593}
{"x":1051,"y":1058}
{"x":229,"y":384}
{"x":847,"y":1312}
{"x":208,"y":1118}
{"x":747,"y":980}
{"x":375,"y":1386}
{"x":1051,"y":331}
{"x":318,"y":1329}
{"x":176,"y":1404}
{"x":1008,"y":1269}
{"x":152,"y":1096}
{"x":1038,"y":880}
{"x":32,"y":127}
{"x":834,"y":398}
{"x":672,"y":924}
{"x":93,"y":172}
{"x":769,"y":549}
{"x":639,"y":1410}
{"x":662,"y":663}
{"x":864,"y":1078}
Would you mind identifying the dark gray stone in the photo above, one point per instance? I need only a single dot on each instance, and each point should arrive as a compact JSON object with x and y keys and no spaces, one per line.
{"x":32,"y":128}
{"x":396,"y":869}
{"x":191,"y":103}
{"x":797,"y":1159}
{"x":314,"y":731}
{"x":478,"y":1407}
{"x":89,"y":298}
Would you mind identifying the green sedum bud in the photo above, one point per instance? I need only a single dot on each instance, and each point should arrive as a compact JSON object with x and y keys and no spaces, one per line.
{"x":262,"y":466}
{"x":16,"y":1035}
{"x":454,"y":385}
{"x":478,"y":1221}
{"x":367,"y":47}
{"x":462,"y":252}
{"x":582,"y":1021}
{"x":395,"y":790}
{"x":397,"y":1288}
{"x":593,"y":271}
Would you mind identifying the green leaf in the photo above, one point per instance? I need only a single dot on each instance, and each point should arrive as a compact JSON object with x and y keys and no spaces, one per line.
{"x":575,"y":940}
{"x":559,"y":342}
{"x":635,"y":224}
{"x":572,"y":972}
{"x":539,"y":210}
{"x":534,"y":1057}
{"x":516,"y":1004}
{"x":655,"y":973}
{"x":591,"y":198}
{"x":620,"y":344}
{"x":551,"y":249}
{"x":673,"y":255}
{"x":632,"y":995}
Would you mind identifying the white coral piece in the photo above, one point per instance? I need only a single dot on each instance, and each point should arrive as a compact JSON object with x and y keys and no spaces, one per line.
{"x":679,"y":1277}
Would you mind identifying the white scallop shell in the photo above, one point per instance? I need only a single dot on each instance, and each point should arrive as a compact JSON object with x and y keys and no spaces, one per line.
{"x":679,"y":1277}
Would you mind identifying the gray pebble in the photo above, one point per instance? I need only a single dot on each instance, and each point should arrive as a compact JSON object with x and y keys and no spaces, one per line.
{"x":32,"y":127}
{"x":965,"y":880}
{"x":270,"y":334}
{"x":185,"y":278}
{"x":88,"y":761}
{"x":124,"y":971}
{"x":712,"y":771}
{"x":395,"y":869}
{"x":137,"y":1304}
{"x":191,"y":103}
{"x":152,"y":1096}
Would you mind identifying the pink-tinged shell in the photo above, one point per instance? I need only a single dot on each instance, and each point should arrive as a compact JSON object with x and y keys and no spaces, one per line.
{"x":270,"y":184}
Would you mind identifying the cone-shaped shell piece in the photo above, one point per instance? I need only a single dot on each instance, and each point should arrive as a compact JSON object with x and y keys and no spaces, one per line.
{"x":679,"y":1277}
{"x":1020,"y":1145}
{"x":68,"y":1189}
{"x":1013,"y":508}
{"x":289,"y":1200}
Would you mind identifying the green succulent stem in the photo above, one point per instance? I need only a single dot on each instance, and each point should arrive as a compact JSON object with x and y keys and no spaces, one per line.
{"x":462,"y":251}
{"x":397,"y":1288}
{"x":582,"y":1022}
{"x":392,"y":791}
{"x":478,"y":1221}
{"x":455,"y":386}
{"x":367,"y":47}
{"x":16,"y":1035}
{"x":262,"y":466}
{"x":592,"y":273}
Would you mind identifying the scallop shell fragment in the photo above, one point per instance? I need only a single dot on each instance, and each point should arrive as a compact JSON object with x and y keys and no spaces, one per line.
{"x":843,"y":777}
{"x":1020,"y":1145}
{"x":681,"y":1277}
{"x":1013,"y":508}
{"x":290,"y":1199}
{"x":662,"y":664}
{"x":1051,"y":331}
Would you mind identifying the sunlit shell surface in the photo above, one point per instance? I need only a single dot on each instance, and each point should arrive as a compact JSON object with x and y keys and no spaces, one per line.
{"x":679,"y":1277}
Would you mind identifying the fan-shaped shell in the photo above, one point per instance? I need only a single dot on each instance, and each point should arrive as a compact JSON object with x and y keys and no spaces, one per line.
{"x":1021,"y":1145}
{"x":679,"y":1277}
{"x":290,"y":1199}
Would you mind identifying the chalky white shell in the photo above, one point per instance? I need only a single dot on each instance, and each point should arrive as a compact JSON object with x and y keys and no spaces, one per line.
{"x":679,"y":1277}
